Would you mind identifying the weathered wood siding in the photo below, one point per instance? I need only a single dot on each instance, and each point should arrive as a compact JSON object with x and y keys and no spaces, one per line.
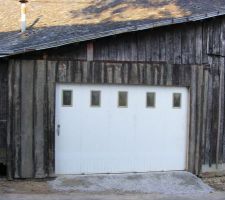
{"x":3,"y":109}
{"x":190,"y":54}
{"x":32,"y":96}
{"x":31,"y":127}
{"x":188,"y":43}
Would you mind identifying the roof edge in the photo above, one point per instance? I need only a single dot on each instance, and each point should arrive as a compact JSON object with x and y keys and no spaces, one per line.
{"x":127,"y":29}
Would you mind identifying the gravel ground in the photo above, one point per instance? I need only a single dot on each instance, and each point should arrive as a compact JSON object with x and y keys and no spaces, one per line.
{"x":24,"y":187}
{"x":114,"y":196}
{"x":218,"y":183}
{"x":161,"y":183}
{"x":145,"y":183}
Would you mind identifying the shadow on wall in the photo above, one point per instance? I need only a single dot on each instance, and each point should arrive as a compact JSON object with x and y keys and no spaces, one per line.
{"x":3,"y":170}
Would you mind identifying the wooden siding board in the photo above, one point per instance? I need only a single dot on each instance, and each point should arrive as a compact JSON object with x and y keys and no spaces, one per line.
{"x":141,"y":46}
{"x":192,"y":134}
{"x":10,"y":159}
{"x":148,"y":46}
{"x":210,"y":38}
{"x":205,"y":43}
{"x":17,"y":118}
{"x":50,"y":115}
{"x":169,"y":46}
{"x":162,"y":47}
{"x":219,"y":157}
{"x":198,"y":44}
{"x":90,"y":51}
{"x":216,"y":40}
{"x":155,"y":47}
{"x":192,"y":45}
{"x":120,"y":48}
{"x":205,"y":116}
{"x":27,"y":168}
{"x":177,"y":46}
{"x":222,"y":38}
{"x":188,"y":45}
{"x":215,"y":111}
{"x":39,"y":120}
{"x":209,"y":119}
{"x":112,"y":50}
{"x":199,"y":117}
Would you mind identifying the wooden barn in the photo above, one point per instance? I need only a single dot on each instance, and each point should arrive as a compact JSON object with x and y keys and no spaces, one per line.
{"x":112,"y":86}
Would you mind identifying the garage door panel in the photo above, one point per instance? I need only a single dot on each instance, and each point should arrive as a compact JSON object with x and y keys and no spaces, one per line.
{"x":113,"y":139}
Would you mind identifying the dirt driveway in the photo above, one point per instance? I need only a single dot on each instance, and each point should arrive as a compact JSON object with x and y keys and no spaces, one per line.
{"x":218,"y":183}
{"x":132,"y":187}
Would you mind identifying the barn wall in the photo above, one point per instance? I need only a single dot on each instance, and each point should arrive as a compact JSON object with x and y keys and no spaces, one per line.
{"x":193,"y":52}
{"x":32,"y":101}
{"x":3,"y":109}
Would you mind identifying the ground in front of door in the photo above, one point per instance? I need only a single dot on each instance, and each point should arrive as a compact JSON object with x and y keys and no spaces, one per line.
{"x":163,"y":186}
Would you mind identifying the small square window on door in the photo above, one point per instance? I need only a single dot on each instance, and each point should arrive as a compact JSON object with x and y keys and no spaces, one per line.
{"x":150,"y":99}
{"x":67,"y":98}
{"x":122,"y":99}
{"x":95,"y":98}
{"x":176,"y":100}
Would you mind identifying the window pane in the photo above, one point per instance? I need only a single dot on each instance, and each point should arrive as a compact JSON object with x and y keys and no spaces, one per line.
{"x":150,"y":99}
{"x":176,"y":100}
{"x":67,"y":98}
{"x":95,"y":98}
{"x":122,"y":99}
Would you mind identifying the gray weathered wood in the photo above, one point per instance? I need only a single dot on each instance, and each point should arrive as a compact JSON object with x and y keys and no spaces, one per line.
{"x":27,"y":164}
{"x":39,"y":120}
{"x":134,"y":58}
{"x":17,"y":118}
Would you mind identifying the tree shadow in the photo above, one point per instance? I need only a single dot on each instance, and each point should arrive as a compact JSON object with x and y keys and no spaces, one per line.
{"x":123,"y":11}
{"x":98,"y":18}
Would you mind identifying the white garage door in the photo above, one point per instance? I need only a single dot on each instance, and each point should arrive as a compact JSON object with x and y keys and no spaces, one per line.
{"x":113,"y":129}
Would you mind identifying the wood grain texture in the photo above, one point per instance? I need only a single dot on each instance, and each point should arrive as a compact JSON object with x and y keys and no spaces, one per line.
{"x":3,"y":110}
{"x":27,"y":158}
{"x":189,"y":55}
{"x":38,"y":131}
{"x":39,"y":120}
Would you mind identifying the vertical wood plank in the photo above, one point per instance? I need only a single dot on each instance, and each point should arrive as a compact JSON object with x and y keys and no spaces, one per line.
{"x":199,"y":117}
{"x":17,"y":118}
{"x":204,"y":43}
{"x":90,"y":51}
{"x":148,"y":46}
{"x":219,"y":149}
{"x":204,"y":115}
{"x":141,"y":49}
{"x":216,"y":37}
{"x":155,"y":46}
{"x":39,"y":120}
{"x":215,"y":111}
{"x":209,"y":119}
{"x":192,"y":134}
{"x":27,"y":164}
{"x":50,"y":126}
{"x":133,"y":74}
{"x":222,"y":38}
{"x":169,"y":46}
{"x":10,"y":167}
{"x":177,"y":46}
{"x":199,"y":40}
{"x":162,"y":47}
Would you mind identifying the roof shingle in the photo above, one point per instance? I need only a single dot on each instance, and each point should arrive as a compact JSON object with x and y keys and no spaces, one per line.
{"x":54,"y":23}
